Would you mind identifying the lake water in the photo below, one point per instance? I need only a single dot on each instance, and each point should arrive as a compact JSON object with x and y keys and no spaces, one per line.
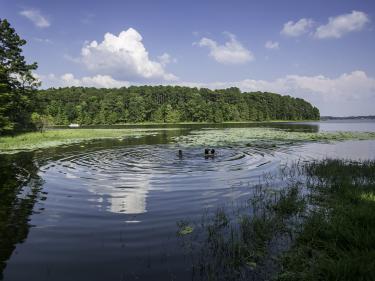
{"x":108,"y":210}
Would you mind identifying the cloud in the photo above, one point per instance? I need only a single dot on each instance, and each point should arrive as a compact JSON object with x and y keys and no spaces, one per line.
{"x":68,"y":80}
{"x":123,"y":57}
{"x":165,"y":59}
{"x":342,"y":24}
{"x":232,"y":52}
{"x":294,"y":29}
{"x":272,"y":45}
{"x":43,"y":40}
{"x":36,"y":17}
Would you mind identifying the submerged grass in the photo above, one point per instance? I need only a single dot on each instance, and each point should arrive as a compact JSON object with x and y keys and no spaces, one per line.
{"x":318,"y":228}
{"x":244,"y":136}
{"x":240,"y":245}
{"x":50,"y":138}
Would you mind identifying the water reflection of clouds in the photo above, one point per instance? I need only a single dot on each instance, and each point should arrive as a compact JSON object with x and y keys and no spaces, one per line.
{"x":123,"y":196}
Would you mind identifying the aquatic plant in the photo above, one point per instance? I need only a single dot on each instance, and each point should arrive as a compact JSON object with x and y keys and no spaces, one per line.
{"x":318,"y":228}
{"x":337,"y":238}
{"x":238,"y":244}
{"x":184,"y":228}
{"x":263,"y":137}
{"x":51,"y":138}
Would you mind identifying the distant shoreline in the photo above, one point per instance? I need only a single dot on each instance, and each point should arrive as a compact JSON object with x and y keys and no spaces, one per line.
{"x":188,"y":123}
{"x":367,"y":117}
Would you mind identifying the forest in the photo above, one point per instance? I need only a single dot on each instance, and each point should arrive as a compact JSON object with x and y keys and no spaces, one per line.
{"x":166,"y":104}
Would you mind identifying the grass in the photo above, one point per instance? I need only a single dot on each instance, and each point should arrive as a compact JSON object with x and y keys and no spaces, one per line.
{"x":237,"y":245}
{"x":50,"y":138}
{"x":337,"y":239}
{"x":250,"y":136}
{"x":320,"y":227}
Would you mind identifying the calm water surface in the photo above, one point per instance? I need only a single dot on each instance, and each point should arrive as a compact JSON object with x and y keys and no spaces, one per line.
{"x":108,"y":210}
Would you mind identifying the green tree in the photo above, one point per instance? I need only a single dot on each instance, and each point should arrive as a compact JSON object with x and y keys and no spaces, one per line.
{"x":171,"y":115}
{"x":41,"y":122}
{"x":17,"y":84}
{"x":137,"y":111}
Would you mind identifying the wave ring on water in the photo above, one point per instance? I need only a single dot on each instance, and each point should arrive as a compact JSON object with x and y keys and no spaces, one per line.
{"x":164,"y":160}
{"x":120,"y":179}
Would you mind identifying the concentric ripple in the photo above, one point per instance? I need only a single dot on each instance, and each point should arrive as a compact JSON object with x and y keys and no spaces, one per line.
{"x":160,"y":161}
{"x":122,"y":178}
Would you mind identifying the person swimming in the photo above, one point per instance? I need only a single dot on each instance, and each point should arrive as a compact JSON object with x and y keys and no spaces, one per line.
{"x":180,"y":153}
{"x":209,"y":153}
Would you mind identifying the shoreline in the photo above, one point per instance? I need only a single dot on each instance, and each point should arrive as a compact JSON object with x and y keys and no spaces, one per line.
{"x":189,"y":123}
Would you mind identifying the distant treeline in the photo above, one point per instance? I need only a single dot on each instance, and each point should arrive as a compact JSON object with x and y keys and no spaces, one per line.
{"x":365,"y":117}
{"x":91,"y":106}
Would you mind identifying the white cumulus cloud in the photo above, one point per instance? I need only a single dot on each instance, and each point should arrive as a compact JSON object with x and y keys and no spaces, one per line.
{"x":294,"y":29}
{"x":36,"y":17}
{"x":166,"y":58}
{"x":123,"y":57}
{"x":231,"y":52}
{"x":342,"y":24}
{"x":272,"y":45}
{"x":68,"y":80}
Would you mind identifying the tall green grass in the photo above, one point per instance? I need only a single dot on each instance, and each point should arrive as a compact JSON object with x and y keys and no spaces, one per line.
{"x":337,"y":241}
{"x":319,"y":227}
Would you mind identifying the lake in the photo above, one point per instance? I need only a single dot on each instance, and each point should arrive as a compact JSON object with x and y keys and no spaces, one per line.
{"x":108,"y":209}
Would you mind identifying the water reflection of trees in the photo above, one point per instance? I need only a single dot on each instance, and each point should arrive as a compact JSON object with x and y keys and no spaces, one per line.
{"x":20,"y":188}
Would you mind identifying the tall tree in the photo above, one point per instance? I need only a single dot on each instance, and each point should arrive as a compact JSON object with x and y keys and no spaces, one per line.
{"x":17,"y":83}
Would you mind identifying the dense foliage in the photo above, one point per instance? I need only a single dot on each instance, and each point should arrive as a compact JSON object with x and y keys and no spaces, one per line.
{"x":17,"y":85}
{"x":168,"y":104}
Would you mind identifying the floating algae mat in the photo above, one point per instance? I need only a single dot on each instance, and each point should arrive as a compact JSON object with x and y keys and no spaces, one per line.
{"x":264,"y":136}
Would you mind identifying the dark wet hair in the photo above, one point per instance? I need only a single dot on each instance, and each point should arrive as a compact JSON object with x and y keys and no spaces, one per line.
{"x":212,"y":151}
{"x":179,"y":152}
{"x":206,"y":151}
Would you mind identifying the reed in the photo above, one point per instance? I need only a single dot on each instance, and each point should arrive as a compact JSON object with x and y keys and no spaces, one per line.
{"x":319,"y":227}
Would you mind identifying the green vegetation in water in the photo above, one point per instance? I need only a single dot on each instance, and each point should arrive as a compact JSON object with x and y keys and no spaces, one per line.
{"x":184,"y":228}
{"x":337,"y":238}
{"x":320,"y":227}
{"x":253,"y":136}
{"x":51,"y":138}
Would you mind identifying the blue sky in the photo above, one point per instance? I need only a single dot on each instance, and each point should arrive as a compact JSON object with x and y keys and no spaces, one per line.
{"x":318,"y":50}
